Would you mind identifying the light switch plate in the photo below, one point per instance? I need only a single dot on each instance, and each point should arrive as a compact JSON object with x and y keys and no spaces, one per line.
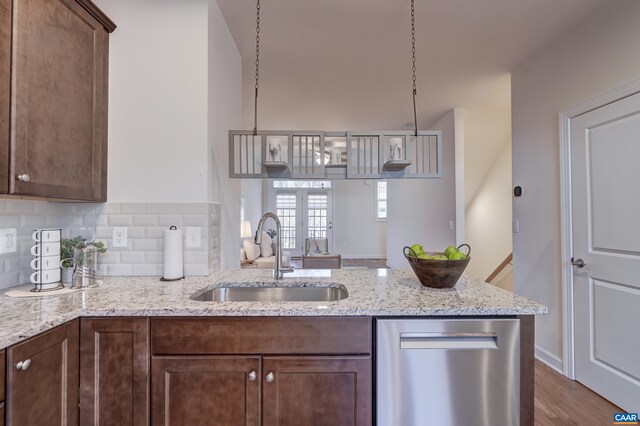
{"x":119,"y":237}
{"x":193,"y":236}
{"x":8,"y":240}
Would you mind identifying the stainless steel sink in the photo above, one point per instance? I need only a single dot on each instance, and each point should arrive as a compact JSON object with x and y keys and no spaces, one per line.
{"x":273,"y":294}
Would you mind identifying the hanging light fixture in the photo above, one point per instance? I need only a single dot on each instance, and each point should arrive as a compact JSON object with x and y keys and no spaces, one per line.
{"x":346,"y":154}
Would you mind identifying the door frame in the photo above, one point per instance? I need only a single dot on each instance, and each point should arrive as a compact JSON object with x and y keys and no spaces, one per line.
{"x":566,"y":223}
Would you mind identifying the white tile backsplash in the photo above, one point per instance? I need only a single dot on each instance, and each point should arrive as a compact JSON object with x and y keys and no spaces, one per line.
{"x":146,"y":223}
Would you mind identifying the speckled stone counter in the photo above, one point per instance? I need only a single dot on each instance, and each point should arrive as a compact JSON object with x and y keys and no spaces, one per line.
{"x":382,"y":292}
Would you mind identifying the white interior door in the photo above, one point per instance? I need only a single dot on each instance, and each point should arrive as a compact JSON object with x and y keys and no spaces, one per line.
{"x":605,"y":163}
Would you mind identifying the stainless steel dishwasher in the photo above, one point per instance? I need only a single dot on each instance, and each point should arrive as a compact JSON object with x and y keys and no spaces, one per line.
{"x":448,"y":372}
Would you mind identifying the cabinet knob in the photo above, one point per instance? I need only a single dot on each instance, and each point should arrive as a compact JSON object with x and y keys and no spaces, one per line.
{"x":252,"y":376}
{"x":24,"y":177}
{"x":269,"y":378}
{"x":23,"y":365}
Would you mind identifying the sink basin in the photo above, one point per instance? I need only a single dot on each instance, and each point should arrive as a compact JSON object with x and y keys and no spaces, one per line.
{"x":273,"y":294}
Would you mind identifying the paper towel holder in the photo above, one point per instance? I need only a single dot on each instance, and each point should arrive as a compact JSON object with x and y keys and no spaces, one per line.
{"x":172,"y":228}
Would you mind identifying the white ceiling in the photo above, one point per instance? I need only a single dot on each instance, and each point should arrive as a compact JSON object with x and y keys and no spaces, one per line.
{"x":345,"y":64}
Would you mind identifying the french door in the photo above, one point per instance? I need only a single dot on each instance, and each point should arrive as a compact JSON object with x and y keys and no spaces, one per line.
{"x":304,"y":214}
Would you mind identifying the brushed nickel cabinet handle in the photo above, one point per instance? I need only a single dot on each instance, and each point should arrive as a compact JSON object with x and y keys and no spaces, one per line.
{"x":252,"y":376}
{"x":269,"y":378}
{"x":23,"y":365}
{"x":24,"y":177}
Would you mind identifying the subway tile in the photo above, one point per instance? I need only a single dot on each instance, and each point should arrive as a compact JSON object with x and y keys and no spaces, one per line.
{"x":157,"y":207}
{"x":194,"y":220}
{"x":132,"y":257}
{"x":189,"y":208}
{"x":196,"y":257}
{"x":102,"y":270}
{"x":146,"y":245}
{"x":104,"y":232}
{"x":119,"y":270}
{"x":135,"y":232}
{"x":155,"y":231}
{"x":129,"y":246}
{"x":120,"y":220}
{"x":169,"y":220}
{"x":145,"y":220}
{"x":17,"y":264}
{"x":132,"y":208}
{"x":83,"y":209}
{"x":32,"y":221}
{"x":109,"y":258}
{"x":102,"y":220}
{"x":19,"y":206}
{"x":109,"y":208}
{"x":9,"y":221}
{"x":196,"y":269}
{"x":154,"y":257}
{"x":9,"y":279}
{"x":149,"y":270}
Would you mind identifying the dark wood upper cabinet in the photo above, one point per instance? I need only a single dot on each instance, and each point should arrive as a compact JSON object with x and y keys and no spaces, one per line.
{"x":58,"y":95}
{"x":316,"y":391}
{"x":114,"y":371}
{"x":5,"y":90}
{"x":42,"y":379}
{"x":212,"y":390}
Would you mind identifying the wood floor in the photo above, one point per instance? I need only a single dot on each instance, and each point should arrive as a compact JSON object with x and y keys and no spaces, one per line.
{"x":561,"y":401}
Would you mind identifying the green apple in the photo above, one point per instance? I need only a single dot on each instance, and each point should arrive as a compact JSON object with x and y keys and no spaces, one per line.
{"x":457,"y":256}
{"x":417,"y":249}
{"x":439,"y":257}
{"x":424,"y":256}
{"x":449,"y":250}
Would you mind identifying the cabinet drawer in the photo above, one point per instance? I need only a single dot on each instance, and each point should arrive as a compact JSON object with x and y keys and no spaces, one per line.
{"x":261,"y":335}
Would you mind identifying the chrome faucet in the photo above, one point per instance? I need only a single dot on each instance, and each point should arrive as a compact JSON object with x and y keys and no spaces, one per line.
{"x":278,"y":270}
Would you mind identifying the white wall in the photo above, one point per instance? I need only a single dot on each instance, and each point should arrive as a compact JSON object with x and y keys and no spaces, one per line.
{"x":597,"y":55}
{"x":157,"y":100}
{"x":420,"y":210}
{"x":224,"y":114}
{"x":488,"y":218}
{"x":356,"y":233}
{"x":251,"y":190}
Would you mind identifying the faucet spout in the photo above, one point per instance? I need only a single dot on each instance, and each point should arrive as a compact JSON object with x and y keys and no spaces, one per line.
{"x":278,"y":270}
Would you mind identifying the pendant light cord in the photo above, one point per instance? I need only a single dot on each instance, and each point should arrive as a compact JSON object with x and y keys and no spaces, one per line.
{"x":413,"y":67}
{"x":255,"y":99}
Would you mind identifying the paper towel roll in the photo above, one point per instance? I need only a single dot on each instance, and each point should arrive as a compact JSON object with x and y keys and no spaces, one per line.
{"x":173,"y":265}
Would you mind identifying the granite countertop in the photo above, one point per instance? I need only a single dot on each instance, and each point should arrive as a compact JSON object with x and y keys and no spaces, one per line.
{"x":381,"y":292}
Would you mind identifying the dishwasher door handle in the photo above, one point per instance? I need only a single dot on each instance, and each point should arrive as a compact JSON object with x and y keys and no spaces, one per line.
{"x":448,"y":340}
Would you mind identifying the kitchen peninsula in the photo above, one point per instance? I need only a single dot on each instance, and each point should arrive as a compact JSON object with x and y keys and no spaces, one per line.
{"x":150,"y":341}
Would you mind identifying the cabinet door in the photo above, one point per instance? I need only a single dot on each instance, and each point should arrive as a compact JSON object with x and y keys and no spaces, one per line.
{"x":114,"y":371}
{"x":44,"y":390}
{"x":213,"y":390}
{"x":316,"y":391}
{"x":58,"y":137}
{"x":5,"y":86}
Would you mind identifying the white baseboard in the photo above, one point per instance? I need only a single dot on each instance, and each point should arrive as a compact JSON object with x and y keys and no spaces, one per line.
{"x":549,"y":359}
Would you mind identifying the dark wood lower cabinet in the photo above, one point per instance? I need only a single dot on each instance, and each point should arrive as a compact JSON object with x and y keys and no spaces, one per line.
{"x":211,"y":390}
{"x":42,"y":379}
{"x":114,"y":371}
{"x":317,"y":391}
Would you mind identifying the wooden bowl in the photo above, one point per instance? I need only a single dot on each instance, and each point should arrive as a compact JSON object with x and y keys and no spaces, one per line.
{"x":437,"y":273}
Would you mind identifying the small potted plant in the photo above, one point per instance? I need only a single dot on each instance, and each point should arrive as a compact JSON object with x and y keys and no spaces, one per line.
{"x":67,"y":247}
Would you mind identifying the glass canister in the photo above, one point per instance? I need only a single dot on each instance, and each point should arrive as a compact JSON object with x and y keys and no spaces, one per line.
{"x":85,"y":259}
